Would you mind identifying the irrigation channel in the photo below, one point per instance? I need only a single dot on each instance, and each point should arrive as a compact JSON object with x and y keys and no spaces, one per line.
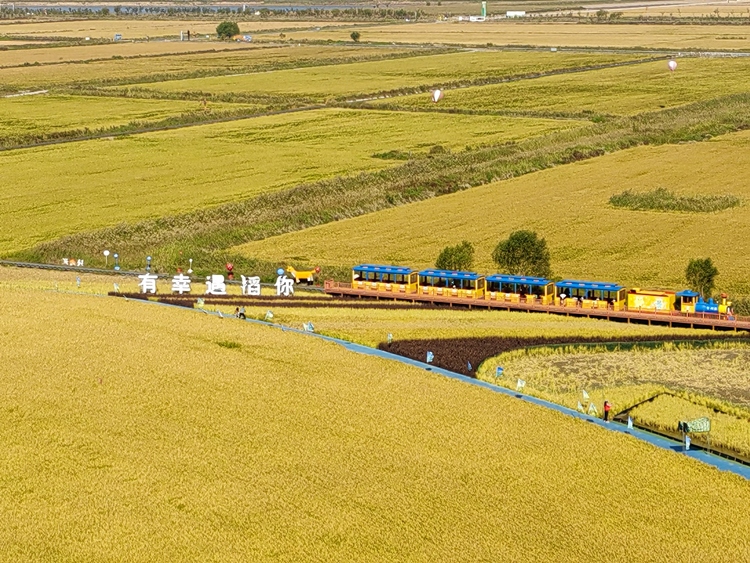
{"x":654,"y":439}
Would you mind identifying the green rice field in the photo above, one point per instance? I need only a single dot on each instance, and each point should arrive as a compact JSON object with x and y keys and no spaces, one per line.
{"x":52,"y":191}
{"x":623,"y":90}
{"x":378,"y":76}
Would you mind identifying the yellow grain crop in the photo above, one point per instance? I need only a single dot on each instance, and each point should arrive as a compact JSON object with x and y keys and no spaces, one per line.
{"x":144,"y":433}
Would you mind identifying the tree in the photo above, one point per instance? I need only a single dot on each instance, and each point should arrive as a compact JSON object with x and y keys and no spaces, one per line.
{"x":459,"y":257}
{"x":700,"y":275}
{"x":227,"y":30}
{"x":355,"y":35}
{"x":523,"y":254}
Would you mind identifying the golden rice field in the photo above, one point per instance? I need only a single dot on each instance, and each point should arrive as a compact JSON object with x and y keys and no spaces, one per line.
{"x":222,"y":60}
{"x":712,"y":382}
{"x":97,"y":184}
{"x":379,"y":76}
{"x":50,"y":113}
{"x":718,"y":371}
{"x":146,"y":433}
{"x":568,"y":205}
{"x":621,"y":90}
{"x":670,"y":37}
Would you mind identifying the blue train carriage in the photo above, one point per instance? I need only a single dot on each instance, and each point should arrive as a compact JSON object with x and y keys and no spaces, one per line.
{"x":691,"y":302}
{"x":519,"y":289}
{"x":590,"y":295}
{"x":465,"y":285}
{"x":386,"y":279}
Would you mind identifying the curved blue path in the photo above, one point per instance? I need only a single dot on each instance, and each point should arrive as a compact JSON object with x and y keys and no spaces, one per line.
{"x":653,"y":439}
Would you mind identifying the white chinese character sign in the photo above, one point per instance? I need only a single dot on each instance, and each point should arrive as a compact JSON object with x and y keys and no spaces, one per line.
{"x":181,"y":284}
{"x":215,"y":285}
{"x":148,"y":283}
{"x":284,"y":285}
{"x":250,"y":285}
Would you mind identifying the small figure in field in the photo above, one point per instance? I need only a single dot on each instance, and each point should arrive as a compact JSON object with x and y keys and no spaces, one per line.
{"x":607,"y":408}
{"x":239,"y":312}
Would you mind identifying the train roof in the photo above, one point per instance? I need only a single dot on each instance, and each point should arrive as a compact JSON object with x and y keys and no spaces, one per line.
{"x":380,"y":269}
{"x":505,"y":278}
{"x":598,"y":286}
{"x":687,"y":293}
{"x":451,"y":275}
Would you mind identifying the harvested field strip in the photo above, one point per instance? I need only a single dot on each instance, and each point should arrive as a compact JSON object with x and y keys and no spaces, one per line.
{"x":98,"y":52}
{"x":455,"y":354}
{"x":239,"y":160}
{"x":145,"y":28}
{"x":668,"y":37}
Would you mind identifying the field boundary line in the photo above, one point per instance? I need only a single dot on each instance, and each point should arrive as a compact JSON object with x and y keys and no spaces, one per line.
{"x":642,"y":435}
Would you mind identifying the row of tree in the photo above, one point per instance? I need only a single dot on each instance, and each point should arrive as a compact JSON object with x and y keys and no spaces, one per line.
{"x":524,"y":253}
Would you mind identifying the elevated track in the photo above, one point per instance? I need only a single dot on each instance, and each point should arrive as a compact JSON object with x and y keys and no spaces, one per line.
{"x":672,"y":319}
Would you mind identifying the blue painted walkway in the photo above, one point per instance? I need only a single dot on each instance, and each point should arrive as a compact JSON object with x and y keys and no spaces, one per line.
{"x":653,"y":439}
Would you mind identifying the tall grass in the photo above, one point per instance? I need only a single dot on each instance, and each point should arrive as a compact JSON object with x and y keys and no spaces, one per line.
{"x":662,"y":199}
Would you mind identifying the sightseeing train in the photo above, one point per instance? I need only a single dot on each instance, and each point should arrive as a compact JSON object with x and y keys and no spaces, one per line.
{"x":400,"y":281}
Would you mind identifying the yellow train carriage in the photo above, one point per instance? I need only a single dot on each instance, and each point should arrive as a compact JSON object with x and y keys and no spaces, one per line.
{"x":651,"y":300}
{"x":519,"y":289}
{"x":445,"y":283}
{"x":385,"y":279}
{"x":590,"y":295}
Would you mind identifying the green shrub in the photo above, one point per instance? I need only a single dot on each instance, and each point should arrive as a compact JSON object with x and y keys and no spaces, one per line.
{"x":662,"y":199}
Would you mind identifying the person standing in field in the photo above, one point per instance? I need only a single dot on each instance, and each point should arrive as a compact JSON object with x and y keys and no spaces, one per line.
{"x":607,"y":408}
